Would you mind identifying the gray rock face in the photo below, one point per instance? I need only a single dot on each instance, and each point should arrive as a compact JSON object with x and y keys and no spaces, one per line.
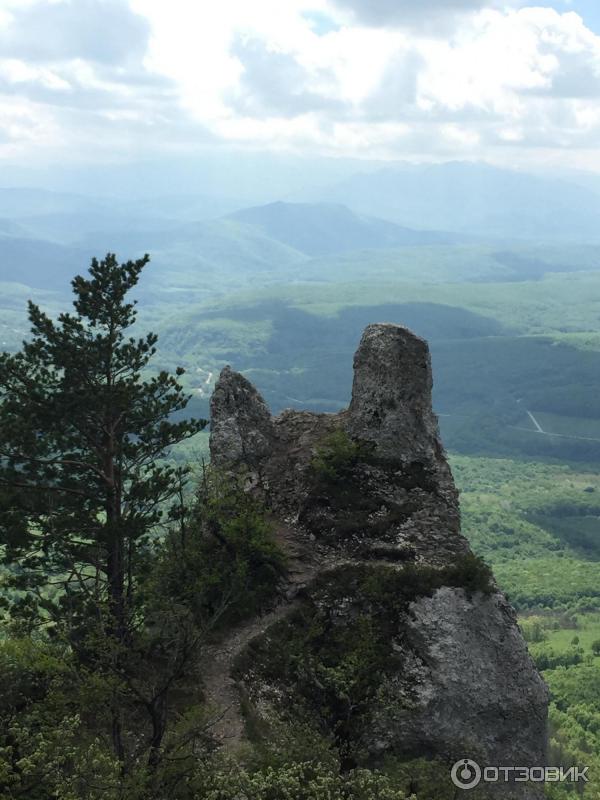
{"x":476,"y":690}
{"x":241,"y":429}
{"x":458,"y":681}
{"x":391,"y":395}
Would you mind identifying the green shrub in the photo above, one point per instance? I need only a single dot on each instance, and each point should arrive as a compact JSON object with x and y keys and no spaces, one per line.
{"x":471,"y":573}
{"x":533,"y":631}
{"x":224,"y":559}
{"x":547,"y":657}
{"x":308,"y":780}
{"x":336,"y":456}
{"x":46,"y":748}
{"x":428,"y":779}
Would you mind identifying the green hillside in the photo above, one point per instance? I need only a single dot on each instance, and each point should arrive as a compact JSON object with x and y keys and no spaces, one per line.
{"x":499,"y":351}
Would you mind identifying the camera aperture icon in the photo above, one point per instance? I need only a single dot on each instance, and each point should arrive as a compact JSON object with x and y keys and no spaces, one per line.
{"x":466,"y":774}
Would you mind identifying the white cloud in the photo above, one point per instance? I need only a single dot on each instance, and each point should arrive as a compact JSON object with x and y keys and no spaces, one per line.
{"x":70,"y":67}
{"x":104,"y":31}
{"x":507,"y":84}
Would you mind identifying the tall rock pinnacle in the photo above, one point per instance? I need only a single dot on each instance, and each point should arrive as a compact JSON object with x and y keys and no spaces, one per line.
{"x":391,"y":394}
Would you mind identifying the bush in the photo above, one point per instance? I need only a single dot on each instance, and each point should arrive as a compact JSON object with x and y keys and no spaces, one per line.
{"x":546,"y":657}
{"x":46,"y":748}
{"x":296,"y":781}
{"x":223,"y":561}
{"x":533,"y":631}
{"x":336,"y":456}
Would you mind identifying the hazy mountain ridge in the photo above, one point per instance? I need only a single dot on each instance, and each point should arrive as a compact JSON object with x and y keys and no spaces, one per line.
{"x":39,"y":264}
{"x":452,"y":197}
{"x":9,"y":227}
{"x":326,"y":228}
{"x":58,"y":233}
{"x":472,"y":198}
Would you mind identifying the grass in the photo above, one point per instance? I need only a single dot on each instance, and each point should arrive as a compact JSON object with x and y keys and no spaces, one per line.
{"x":587,"y":632}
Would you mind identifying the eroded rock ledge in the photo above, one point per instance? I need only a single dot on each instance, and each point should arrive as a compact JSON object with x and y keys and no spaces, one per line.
{"x":380,"y":577}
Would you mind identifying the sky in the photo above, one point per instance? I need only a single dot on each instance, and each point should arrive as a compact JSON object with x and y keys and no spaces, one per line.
{"x":503,"y":81}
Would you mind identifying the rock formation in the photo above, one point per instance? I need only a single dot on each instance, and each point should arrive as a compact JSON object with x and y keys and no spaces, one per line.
{"x":389,"y":634}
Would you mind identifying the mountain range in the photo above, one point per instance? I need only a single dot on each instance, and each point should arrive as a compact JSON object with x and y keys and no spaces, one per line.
{"x":472,"y":198}
{"x":365,"y":224}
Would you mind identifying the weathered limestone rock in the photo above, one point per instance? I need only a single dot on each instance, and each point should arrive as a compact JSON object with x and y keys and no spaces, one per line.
{"x":391,"y":395}
{"x":241,"y":428}
{"x":478,"y":686}
{"x":376,"y":540}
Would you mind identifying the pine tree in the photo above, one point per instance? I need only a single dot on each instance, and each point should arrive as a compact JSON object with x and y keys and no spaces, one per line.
{"x":84,"y":428}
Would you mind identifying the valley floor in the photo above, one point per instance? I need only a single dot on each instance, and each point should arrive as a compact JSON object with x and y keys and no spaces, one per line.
{"x":538,"y":525}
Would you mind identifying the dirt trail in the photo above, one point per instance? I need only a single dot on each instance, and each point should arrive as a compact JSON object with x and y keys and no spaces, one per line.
{"x":305,"y":561}
{"x":538,"y":427}
{"x":220,"y":689}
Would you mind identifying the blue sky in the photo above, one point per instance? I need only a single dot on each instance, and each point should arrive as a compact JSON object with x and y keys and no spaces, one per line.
{"x":588,"y":9}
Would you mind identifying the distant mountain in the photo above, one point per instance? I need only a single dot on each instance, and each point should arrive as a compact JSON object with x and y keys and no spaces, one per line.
{"x":472,"y":198}
{"x":74,"y":227}
{"x":217,"y":250}
{"x":187,"y":207}
{"x":320,"y":229}
{"x":43,"y":265}
{"x":284,"y":241}
{"x":222,"y":244}
{"x":16,"y":203}
{"x":67,"y":218}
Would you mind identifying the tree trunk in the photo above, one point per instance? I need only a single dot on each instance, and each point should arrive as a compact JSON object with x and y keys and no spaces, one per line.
{"x":117,"y":732}
{"x":157,"y":710}
{"x":116,"y":584}
{"x":115,"y":569}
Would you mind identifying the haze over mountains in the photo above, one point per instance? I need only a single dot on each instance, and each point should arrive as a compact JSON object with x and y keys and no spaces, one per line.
{"x":46,"y":236}
{"x":473,"y":198}
{"x":477,"y":259}
{"x":320,"y":229}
